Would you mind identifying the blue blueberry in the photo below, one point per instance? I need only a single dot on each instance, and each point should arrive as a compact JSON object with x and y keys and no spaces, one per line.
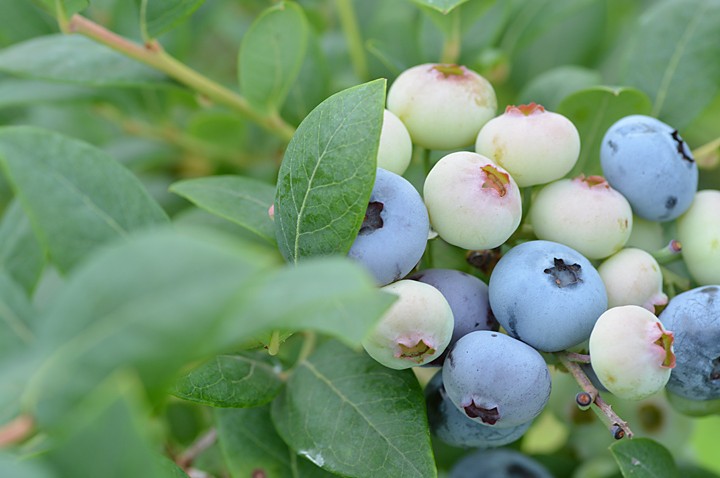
{"x":394,"y":233}
{"x":546,"y":294}
{"x":495,"y":379}
{"x":468,"y":299}
{"x":453,"y":427}
{"x":694,"y":319}
{"x":650,"y":164}
{"x":500,"y":463}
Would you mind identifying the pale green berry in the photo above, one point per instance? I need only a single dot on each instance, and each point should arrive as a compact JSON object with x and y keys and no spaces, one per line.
{"x":699,"y":233}
{"x":415,"y":330}
{"x":632,"y":277}
{"x":631,"y":352}
{"x":395,"y":148}
{"x":442,"y":106}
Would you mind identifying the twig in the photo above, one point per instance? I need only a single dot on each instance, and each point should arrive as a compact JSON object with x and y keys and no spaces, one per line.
{"x":186,"y":458}
{"x":350,"y":27}
{"x":617,"y":426}
{"x":155,"y":56}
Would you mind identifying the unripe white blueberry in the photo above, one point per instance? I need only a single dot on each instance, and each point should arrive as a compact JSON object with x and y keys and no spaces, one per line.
{"x":395,"y":148}
{"x":534,"y":145}
{"x":473,"y":203}
{"x":632,"y":277}
{"x":631,"y":352}
{"x":415,"y":330}
{"x":699,"y":233}
{"x":442,"y":106}
{"x":583,"y":213}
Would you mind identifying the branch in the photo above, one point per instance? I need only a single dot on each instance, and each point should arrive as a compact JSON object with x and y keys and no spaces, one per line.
{"x":16,"y":431}
{"x":186,"y":458}
{"x":153,"y":55}
{"x":590,"y":396}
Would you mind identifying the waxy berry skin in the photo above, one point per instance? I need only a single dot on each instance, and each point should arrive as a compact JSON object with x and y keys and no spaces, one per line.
{"x":415,"y":330}
{"x":442,"y":106}
{"x":631,"y":352}
{"x":699,"y":233}
{"x":694,"y":318}
{"x":534,"y":145}
{"x":546,"y":294}
{"x":649,"y":163}
{"x":495,"y":379}
{"x":453,"y":427}
{"x":584,"y":213}
{"x":473,"y":203}
{"x":394,"y":233}
{"x":498,"y":463}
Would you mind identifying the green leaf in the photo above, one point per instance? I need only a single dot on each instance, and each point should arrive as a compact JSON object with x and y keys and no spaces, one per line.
{"x":673,"y":55}
{"x":76,"y":59}
{"x":86,"y":445}
{"x":550,"y":88}
{"x":241,"y":380}
{"x":25,"y":92}
{"x":244,"y":201}
{"x":14,"y":467}
{"x":16,"y":315}
{"x":352,"y":416}
{"x":151,"y":303}
{"x":643,"y":458}
{"x":593,"y":111}
{"x":443,"y":6}
{"x":69,"y":6}
{"x":250,"y":443}
{"x":76,"y":196}
{"x":271,"y":55}
{"x":328,"y":172}
{"x":333,"y":295}
{"x":21,"y":255}
{"x":159,"y":16}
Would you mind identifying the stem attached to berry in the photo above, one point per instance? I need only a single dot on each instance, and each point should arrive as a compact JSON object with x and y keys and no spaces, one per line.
{"x":617,"y":426}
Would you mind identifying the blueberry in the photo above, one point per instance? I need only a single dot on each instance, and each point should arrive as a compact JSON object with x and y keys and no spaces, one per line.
{"x":442,"y":106}
{"x":395,"y":149}
{"x":415,"y":330}
{"x":584,"y":213}
{"x":394,"y":233}
{"x":495,"y":379}
{"x":472,"y":202}
{"x":699,"y":233}
{"x":453,"y":427}
{"x":633,"y":277}
{"x":534,"y":145}
{"x":468,"y":299}
{"x":547,"y":295}
{"x":631,"y":352}
{"x":649,"y":163}
{"x":500,"y":463}
{"x":694,"y":317}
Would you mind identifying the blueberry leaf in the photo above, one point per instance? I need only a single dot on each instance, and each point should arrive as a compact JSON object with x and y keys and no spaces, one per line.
{"x":159,"y":16}
{"x":240,"y":380}
{"x":244,"y":201}
{"x":20,"y":467}
{"x":250,"y":444}
{"x":16,"y":315}
{"x":442,"y":6}
{"x":593,"y":111}
{"x":92,"y":64}
{"x":271,"y":55}
{"x":70,"y":6}
{"x":21,"y":255}
{"x":62,"y":185}
{"x":668,"y":41}
{"x":643,"y":458}
{"x":352,"y":416}
{"x":328,"y":172}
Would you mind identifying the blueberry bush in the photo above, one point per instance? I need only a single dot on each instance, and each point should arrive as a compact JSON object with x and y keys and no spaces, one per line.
{"x":363,"y":238}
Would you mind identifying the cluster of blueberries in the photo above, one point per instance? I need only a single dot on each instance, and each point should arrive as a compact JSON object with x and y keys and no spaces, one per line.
{"x":545,"y":293}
